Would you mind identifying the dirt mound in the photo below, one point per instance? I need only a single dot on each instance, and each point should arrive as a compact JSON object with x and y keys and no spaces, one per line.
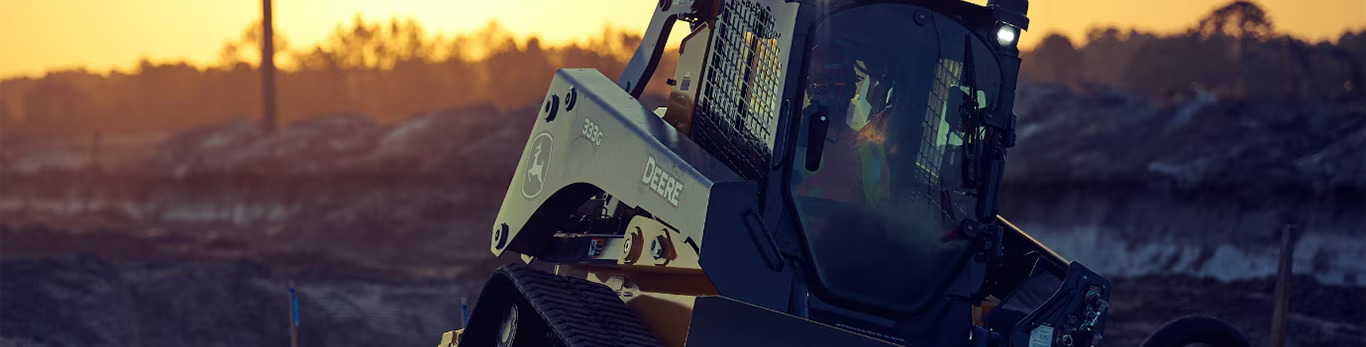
{"x":1254,"y":146}
{"x":477,"y":141}
{"x":88,"y":301}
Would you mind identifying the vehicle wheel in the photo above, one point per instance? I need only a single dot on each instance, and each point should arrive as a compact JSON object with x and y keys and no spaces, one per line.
{"x":504,"y":318}
{"x":522,"y":327}
{"x":1196,"y":330}
{"x":507,"y":333}
{"x":509,"y":313}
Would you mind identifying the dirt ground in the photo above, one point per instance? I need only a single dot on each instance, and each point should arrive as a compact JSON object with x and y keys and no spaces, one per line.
{"x":374,"y":219}
{"x":1320,"y":315}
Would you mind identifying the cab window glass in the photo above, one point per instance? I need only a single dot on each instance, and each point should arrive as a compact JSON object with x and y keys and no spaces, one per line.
{"x":881,"y":210}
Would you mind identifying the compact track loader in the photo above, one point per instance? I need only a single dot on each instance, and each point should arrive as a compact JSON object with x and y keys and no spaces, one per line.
{"x":825,"y":173}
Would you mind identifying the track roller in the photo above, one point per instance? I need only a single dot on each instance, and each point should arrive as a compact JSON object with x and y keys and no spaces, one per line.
{"x":524,"y":306}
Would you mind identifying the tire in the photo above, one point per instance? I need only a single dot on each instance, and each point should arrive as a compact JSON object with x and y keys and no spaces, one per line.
{"x":507,"y":332}
{"x":1191,"y":330}
{"x":518,"y":326}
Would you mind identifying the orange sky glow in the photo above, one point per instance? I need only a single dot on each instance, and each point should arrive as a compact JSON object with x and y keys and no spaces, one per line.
{"x":38,"y":36}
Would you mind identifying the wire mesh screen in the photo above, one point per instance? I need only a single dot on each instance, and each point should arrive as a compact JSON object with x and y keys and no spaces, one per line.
{"x":936,"y":137}
{"x":734,"y":118}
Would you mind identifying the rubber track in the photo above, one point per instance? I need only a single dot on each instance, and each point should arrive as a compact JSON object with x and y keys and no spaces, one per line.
{"x":582,"y":313}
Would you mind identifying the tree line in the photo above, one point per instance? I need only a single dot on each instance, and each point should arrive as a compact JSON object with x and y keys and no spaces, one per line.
{"x":1232,"y":51}
{"x":390,"y":70}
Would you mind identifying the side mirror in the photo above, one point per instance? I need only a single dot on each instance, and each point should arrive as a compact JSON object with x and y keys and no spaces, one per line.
{"x":971,"y":150}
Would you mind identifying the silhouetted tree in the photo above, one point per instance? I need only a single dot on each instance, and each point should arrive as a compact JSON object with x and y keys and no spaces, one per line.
{"x":1233,"y":50}
{"x":53,"y":107}
{"x":1240,"y":19}
{"x":1106,"y":56}
{"x":1055,"y":61}
{"x":247,"y":47}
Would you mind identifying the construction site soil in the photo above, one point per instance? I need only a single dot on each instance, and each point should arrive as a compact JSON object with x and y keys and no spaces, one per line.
{"x":192,"y":238}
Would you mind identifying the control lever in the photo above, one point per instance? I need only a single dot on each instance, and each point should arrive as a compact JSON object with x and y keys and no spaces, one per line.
{"x":815,"y":139}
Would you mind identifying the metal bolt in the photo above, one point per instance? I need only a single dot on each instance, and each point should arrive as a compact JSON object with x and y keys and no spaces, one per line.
{"x":500,"y":236}
{"x":656,"y":249}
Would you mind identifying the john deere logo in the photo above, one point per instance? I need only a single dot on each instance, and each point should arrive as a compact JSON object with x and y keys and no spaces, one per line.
{"x":537,"y":161}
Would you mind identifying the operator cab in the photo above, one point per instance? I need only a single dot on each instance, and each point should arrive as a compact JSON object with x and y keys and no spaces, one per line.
{"x":891,"y":167}
{"x":881,"y":179}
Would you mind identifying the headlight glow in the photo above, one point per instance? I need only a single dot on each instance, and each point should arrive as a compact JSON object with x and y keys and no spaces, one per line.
{"x":1006,"y":35}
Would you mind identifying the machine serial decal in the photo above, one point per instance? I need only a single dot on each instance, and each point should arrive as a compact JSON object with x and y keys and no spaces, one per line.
{"x":1041,"y":336}
{"x":667,"y":186}
{"x":538,"y":160}
{"x":592,"y":132}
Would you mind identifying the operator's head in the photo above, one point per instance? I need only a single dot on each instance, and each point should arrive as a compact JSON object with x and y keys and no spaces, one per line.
{"x":841,"y":76}
{"x":832,"y":80}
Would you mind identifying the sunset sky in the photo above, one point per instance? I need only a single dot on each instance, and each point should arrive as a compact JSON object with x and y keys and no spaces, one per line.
{"x":99,"y":35}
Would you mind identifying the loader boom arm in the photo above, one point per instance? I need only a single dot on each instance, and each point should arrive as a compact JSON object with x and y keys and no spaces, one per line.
{"x":646,"y":58}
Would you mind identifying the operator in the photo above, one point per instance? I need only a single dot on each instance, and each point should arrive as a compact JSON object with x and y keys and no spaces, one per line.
{"x":886,"y":189}
{"x":881,"y":209}
{"x":873,"y":205}
{"x":842,"y":88}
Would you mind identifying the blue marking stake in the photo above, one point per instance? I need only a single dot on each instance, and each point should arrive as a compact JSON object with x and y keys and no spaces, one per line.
{"x":294,"y":305}
{"x":464,"y":312}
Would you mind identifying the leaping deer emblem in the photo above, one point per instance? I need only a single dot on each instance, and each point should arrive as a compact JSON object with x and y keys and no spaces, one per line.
{"x":537,"y":166}
{"x":539,"y":157}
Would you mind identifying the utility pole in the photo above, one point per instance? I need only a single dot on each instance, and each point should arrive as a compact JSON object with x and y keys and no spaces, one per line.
{"x":268,"y":121}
